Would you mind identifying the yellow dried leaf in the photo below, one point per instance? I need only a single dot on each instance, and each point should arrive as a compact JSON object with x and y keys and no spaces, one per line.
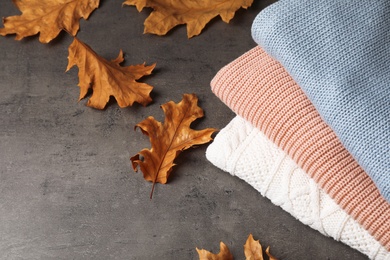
{"x":271,"y":257}
{"x":170,"y":138}
{"x":224,"y":254}
{"x":47,"y":17}
{"x":253,"y":249}
{"x":195,"y":13}
{"x":108,"y":78}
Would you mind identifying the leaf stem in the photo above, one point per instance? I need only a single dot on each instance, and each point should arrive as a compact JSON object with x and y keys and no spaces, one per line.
{"x":151,"y":193}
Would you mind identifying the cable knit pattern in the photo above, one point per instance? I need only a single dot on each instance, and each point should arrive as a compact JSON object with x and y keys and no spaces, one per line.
{"x":257,"y":87}
{"x":244,"y":151}
{"x":338,"y":51}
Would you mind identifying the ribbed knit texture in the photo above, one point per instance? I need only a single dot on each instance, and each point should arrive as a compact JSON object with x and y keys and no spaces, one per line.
{"x":257,"y":87}
{"x":338,"y":51}
{"x":244,"y":151}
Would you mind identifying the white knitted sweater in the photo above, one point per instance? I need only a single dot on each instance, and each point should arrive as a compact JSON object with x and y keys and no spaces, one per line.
{"x":244,"y":151}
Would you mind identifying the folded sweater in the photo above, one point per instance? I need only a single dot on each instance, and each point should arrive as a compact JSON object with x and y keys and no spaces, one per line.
{"x":258,"y":88}
{"x":338,"y":52}
{"x":245,"y":152}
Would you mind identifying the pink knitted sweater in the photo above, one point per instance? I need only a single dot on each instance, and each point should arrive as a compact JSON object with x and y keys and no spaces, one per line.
{"x":258,"y":88}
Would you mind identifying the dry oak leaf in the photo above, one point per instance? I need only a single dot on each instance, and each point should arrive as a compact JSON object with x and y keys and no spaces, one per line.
{"x":254,"y":251}
{"x":271,"y":257}
{"x":169,"y":139}
{"x":224,"y":253}
{"x":47,"y":17}
{"x":108,"y":78}
{"x":195,"y":13}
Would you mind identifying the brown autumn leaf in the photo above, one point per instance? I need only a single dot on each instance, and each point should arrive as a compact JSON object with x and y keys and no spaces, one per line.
{"x":195,"y":13}
{"x":224,"y":254}
{"x":271,"y":257}
{"x":47,"y":17}
{"x":253,"y":249}
{"x":108,"y":78}
{"x":170,"y":138}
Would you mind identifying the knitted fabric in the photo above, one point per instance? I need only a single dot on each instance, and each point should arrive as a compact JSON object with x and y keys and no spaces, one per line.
{"x":257,"y":87}
{"x":338,"y":51}
{"x":244,"y":151}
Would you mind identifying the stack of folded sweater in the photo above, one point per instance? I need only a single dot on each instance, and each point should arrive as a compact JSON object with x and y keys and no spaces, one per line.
{"x":312,"y":131}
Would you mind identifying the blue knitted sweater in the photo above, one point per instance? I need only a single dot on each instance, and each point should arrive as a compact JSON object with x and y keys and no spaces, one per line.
{"x":338,"y":51}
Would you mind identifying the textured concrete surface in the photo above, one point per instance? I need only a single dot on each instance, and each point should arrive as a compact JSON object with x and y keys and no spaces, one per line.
{"x":67,"y":190}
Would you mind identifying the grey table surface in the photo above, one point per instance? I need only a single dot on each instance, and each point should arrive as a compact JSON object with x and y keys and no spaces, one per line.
{"x":67,"y":190}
